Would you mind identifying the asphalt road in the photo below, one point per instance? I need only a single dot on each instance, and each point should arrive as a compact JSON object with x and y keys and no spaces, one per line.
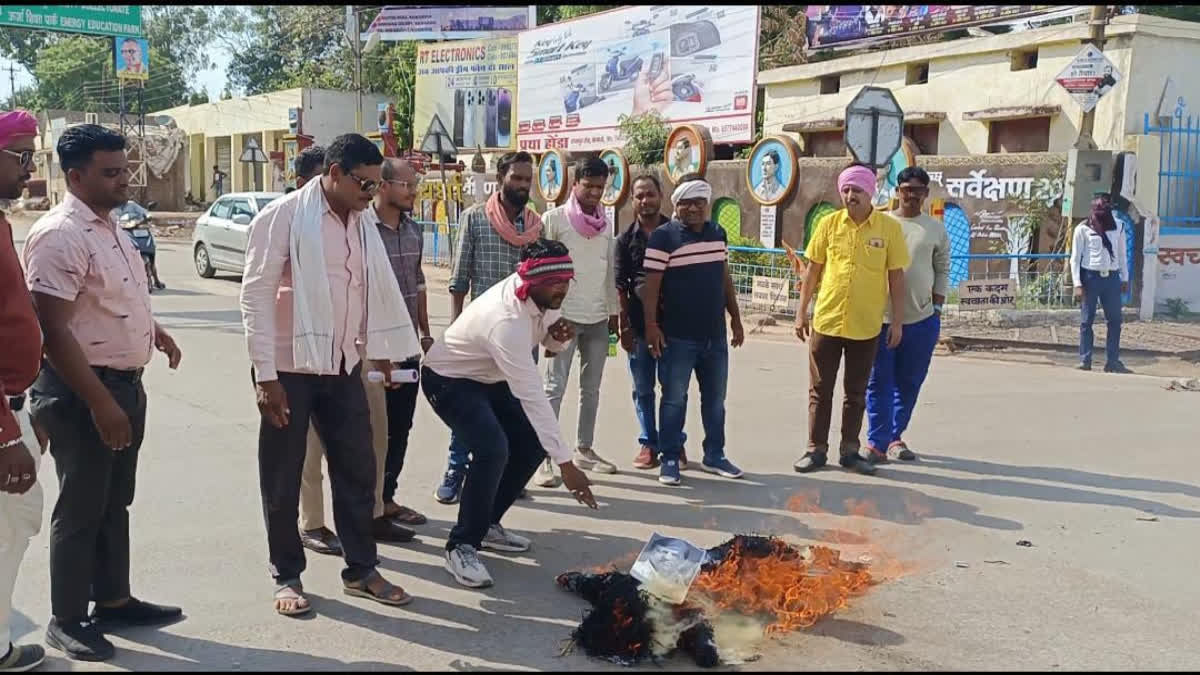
{"x":1069,"y":461}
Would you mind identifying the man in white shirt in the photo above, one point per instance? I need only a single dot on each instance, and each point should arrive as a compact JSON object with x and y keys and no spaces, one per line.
{"x":591,"y":308}
{"x":481,"y":379}
{"x":1101,"y":275}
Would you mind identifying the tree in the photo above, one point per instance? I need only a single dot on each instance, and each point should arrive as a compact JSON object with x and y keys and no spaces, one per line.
{"x":645,"y":137}
{"x":76,"y":71}
{"x":1179,"y":12}
{"x":554,"y":13}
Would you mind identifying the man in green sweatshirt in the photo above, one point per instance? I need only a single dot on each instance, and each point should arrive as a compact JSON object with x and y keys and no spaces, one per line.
{"x":898,"y":373}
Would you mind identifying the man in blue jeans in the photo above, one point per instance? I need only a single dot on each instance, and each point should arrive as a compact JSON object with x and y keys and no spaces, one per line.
{"x":631,"y":281}
{"x":898,"y":373}
{"x":1101,"y":276}
{"x":687,"y":272}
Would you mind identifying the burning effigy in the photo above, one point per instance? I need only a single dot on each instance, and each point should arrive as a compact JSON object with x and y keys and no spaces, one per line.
{"x":781,"y":586}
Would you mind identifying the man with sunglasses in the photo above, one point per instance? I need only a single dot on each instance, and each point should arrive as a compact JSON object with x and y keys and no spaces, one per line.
{"x":391,"y":408}
{"x":898,"y":373}
{"x":20,"y":493}
{"x":318,"y":299}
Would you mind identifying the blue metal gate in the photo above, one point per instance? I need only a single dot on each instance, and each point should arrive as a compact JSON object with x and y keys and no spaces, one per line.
{"x":1178,"y":174}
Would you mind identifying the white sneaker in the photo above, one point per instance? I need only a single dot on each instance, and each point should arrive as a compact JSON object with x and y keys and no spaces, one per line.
{"x":588,"y":460}
{"x":464,"y":564}
{"x":546,"y":477}
{"x":500,"y":539}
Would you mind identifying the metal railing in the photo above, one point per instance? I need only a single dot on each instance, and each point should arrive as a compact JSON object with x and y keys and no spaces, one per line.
{"x":1043,"y":281}
{"x":1178,"y":172}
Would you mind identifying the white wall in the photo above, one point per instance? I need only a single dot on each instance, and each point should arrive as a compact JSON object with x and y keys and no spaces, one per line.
{"x":243,"y":115}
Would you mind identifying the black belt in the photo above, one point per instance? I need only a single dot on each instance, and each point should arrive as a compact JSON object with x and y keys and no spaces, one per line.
{"x":105,"y":373}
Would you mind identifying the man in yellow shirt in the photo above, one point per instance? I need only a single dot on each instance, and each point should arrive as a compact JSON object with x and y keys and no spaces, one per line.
{"x":857,"y":256}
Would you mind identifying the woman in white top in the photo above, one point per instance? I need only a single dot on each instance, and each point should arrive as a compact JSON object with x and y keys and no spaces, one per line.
{"x":1100,"y":274}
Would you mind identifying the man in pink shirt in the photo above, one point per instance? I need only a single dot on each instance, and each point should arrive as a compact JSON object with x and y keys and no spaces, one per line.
{"x":90,"y":289}
{"x":307,"y":329}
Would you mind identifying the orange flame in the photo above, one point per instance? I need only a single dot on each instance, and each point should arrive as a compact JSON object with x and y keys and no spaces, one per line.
{"x":795,"y":590}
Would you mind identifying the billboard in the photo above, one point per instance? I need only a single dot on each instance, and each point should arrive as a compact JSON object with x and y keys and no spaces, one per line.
{"x":132,"y":58}
{"x":690,"y":64}
{"x":404,"y":22}
{"x":472,"y":87}
{"x":843,"y":26}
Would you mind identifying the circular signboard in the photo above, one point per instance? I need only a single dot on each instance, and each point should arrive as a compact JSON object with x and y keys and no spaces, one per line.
{"x":617,"y":186}
{"x":552,"y":176}
{"x":688,"y":148}
{"x":772,"y":171}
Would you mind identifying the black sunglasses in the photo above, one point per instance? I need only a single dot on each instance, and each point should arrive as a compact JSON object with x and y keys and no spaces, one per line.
{"x":25,"y":156}
{"x":364,"y":184}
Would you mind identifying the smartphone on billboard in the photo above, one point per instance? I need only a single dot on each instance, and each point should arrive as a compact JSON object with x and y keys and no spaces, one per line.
{"x":480,"y":117}
{"x":469,"y":120}
{"x":490,"y":119}
{"x":503,"y":118}
{"x":656,"y":65}
{"x":459,"y":112}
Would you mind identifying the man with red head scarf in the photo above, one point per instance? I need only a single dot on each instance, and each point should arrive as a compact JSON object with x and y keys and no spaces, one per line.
{"x":20,"y":494}
{"x":481,"y":379}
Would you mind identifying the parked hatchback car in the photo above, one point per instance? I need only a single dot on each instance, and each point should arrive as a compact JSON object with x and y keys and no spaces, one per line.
{"x":221,"y":235}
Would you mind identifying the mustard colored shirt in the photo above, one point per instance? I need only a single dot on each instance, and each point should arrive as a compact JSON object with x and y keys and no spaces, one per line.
{"x":854,"y":286}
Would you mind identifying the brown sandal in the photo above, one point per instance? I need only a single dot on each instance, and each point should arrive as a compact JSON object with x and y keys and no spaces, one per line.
{"x":293,"y":593}
{"x":362,"y":589}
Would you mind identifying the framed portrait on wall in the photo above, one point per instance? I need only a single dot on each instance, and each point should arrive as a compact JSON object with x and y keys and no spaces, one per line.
{"x":771,"y":172}
{"x":689,"y":147}
{"x":552,"y":176}
{"x":617,"y":185}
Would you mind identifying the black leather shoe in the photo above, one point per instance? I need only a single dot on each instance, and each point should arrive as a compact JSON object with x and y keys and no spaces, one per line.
{"x":857,"y":463}
{"x":811,"y":461}
{"x":322,"y":541}
{"x":79,"y":640}
{"x":135,"y":613}
{"x":1117,"y":367}
{"x":386,"y":529}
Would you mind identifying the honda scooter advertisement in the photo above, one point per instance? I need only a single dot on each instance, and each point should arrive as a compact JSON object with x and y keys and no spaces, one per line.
{"x":690,"y":64}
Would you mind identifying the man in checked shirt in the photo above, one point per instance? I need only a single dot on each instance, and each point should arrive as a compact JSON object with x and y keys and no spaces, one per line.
{"x":487,"y":252}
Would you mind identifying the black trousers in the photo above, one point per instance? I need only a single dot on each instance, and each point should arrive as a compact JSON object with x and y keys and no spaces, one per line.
{"x":337,"y":405}
{"x":89,"y":529}
{"x":401,"y":406}
{"x":505,"y":450}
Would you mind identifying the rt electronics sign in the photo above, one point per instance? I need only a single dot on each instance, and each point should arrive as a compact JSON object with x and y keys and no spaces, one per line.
{"x":119,"y":20}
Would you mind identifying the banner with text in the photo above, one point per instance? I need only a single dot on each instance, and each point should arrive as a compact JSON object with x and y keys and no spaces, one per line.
{"x":843,"y":26}
{"x":404,"y":22}
{"x":89,"y":19}
{"x":472,"y":87}
{"x":690,"y":64}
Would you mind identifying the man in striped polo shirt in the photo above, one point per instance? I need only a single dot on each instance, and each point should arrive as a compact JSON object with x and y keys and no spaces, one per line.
{"x":686,"y":266}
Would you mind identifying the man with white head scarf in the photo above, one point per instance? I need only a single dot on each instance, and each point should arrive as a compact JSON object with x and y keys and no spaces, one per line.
{"x":686,"y":264}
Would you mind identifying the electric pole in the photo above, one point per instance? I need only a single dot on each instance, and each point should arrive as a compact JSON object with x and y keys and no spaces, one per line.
{"x":1096,"y":24}
{"x":12,"y":84}
{"x":352,"y":36}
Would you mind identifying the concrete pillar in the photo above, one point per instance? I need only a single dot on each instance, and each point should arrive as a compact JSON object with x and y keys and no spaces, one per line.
{"x":196,"y":162}
{"x":238,"y":174}
{"x":1147,"y":148}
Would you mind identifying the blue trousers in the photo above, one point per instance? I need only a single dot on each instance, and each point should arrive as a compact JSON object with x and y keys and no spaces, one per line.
{"x":1107,"y":292}
{"x":643,"y":368}
{"x":896,"y":380}
{"x":459,"y":453}
{"x":709,"y":359}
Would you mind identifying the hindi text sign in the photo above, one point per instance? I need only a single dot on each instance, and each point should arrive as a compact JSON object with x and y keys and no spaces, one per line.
{"x":987,"y":294}
{"x":1089,"y":77}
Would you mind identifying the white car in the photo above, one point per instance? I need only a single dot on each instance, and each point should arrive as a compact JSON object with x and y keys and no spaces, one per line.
{"x":221,"y":234}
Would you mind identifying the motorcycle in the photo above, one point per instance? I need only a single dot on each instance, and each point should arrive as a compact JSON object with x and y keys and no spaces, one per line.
{"x":136,"y":222}
{"x":618,"y":71}
{"x":686,"y":88}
